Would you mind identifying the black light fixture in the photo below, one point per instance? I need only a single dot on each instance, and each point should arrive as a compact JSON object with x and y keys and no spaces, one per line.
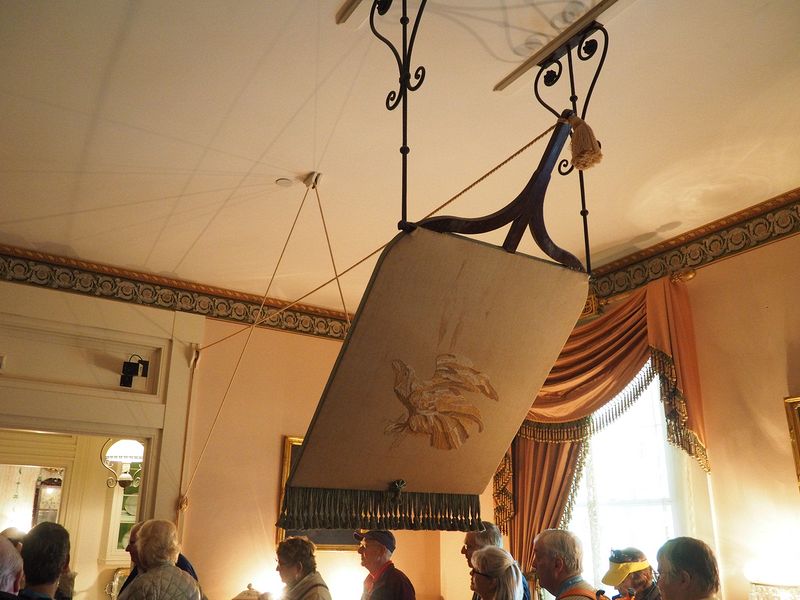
{"x":131,"y":369}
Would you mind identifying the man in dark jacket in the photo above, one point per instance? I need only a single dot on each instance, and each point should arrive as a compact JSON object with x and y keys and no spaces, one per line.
{"x":45,"y":557}
{"x":385,"y":581}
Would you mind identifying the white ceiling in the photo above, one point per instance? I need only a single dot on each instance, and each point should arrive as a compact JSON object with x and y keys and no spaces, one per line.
{"x":148,"y":135}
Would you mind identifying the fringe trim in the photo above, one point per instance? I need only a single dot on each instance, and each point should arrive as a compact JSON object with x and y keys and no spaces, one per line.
{"x":566,"y":515}
{"x":675,"y":411}
{"x":321,"y":508}
{"x":582,"y":429}
{"x":502,"y":494}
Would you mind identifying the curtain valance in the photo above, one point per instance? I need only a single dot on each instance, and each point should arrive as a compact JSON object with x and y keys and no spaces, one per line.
{"x":599,"y":362}
{"x":601,"y":359}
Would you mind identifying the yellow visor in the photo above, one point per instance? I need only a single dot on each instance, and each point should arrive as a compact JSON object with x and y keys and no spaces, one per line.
{"x":617,"y":572}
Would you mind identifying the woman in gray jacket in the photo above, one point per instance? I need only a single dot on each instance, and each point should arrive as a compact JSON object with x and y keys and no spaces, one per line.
{"x":298,"y":570}
{"x":157,"y":548}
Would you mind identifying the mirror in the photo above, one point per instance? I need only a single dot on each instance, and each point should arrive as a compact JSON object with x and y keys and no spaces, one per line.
{"x":29,"y":495}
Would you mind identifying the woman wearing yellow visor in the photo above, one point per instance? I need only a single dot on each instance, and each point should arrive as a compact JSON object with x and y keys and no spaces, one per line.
{"x":631,"y":574}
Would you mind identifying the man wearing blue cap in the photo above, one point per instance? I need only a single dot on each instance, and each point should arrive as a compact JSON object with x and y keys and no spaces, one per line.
{"x":385,"y":581}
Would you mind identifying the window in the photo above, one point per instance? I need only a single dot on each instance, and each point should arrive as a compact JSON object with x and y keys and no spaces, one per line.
{"x":626,"y":497}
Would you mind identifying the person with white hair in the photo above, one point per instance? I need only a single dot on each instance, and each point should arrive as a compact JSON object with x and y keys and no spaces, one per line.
{"x":495,"y":575}
{"x":10,"y":569}
{"x":182,"y":562}
{"x":157,"y":550}
{"x":557,"y":562}
{"x":490,"y":536}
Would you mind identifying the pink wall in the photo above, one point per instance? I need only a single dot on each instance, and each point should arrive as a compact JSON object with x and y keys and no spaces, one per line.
{"x":747,"y":320}
{"x":229,"y":531}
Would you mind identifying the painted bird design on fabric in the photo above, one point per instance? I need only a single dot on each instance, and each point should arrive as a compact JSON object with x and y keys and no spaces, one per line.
{"x":436,"y":406}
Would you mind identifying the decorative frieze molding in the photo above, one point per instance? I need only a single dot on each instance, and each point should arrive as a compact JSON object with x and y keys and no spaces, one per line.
{"x":747,"y":229}
{"x":761,"y":224}
{"x":65,"y":274}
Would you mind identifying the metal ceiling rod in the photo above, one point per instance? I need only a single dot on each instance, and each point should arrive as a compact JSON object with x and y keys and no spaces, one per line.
{"x":400,"y":97}
{"x":585,"y":45}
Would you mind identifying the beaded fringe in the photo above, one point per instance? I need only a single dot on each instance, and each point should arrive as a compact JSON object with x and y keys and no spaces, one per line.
{"x":675,"y":413}
{"x":582,"y":429}
{"x":322,"y":508}
{"x":678,"y":434}
{"x":502,"y":494}
{"x":566,"y":516}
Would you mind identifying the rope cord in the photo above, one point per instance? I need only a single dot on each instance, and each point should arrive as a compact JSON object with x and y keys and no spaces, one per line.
{"x":247,"y":341}
{"x":374,"y":252}
{"x":330,"y":251}
{"x":258,"y":320}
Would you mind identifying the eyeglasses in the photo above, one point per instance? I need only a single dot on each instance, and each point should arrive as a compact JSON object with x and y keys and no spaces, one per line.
{"x":475,"y":571}
{"x":660,"y":574}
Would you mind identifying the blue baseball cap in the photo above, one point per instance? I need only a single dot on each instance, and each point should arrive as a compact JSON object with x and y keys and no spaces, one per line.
{"x":383,"y":537}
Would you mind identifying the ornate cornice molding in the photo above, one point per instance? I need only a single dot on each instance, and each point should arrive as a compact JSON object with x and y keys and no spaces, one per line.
{"x":103,"y":281}
{"x":761,"y":224}
{"x":745,"y":230}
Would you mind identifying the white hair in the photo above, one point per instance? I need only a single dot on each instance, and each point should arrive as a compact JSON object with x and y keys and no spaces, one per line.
{"x":564,"y":544}
{"x":490,"y":536}
{"x":495,"y":562}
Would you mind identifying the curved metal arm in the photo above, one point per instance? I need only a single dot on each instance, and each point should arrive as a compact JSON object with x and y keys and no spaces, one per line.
{"x":394,"y":97}
{"x":525,"y":211}
{"x":586,"y":45}
{"x":111,"y":481}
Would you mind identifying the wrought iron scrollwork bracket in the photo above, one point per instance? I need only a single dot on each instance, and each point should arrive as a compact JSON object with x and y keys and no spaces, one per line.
{"x":590,"y":44}
{"x":400,"y":96}
{"x":525,"y":211}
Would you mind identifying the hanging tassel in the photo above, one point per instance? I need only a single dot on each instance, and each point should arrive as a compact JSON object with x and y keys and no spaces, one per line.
{"x":585,"y":147}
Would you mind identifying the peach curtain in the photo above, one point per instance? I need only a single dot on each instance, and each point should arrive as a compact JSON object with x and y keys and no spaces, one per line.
{"x":599,"y":361}
{"x":543,"y":480}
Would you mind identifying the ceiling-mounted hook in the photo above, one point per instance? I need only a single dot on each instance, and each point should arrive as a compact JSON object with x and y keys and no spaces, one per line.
{"x":311,"y":180}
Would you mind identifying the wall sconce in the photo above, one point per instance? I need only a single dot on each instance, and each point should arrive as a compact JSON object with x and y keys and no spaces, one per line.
{"x":776,"y":578}
{"x":765,"y":591}
{"x":123,"y":452}
{"x":131,"y":369}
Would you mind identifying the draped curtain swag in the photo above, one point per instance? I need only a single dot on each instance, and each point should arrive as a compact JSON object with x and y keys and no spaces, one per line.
{"x":534,"y":484}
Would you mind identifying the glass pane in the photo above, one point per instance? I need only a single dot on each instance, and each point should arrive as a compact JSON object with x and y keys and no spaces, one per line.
{"x":29,"y":495}
{"x":624,"y":497}
{"x":129,"y":508}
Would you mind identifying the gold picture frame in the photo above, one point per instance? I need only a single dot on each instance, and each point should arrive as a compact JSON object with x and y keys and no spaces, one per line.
{"x":793,"y":417}
{"x":324,"y":539}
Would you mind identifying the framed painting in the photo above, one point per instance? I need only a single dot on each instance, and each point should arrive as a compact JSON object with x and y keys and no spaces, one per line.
{"x":793,"y":416}
{"x":324,"y":539}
